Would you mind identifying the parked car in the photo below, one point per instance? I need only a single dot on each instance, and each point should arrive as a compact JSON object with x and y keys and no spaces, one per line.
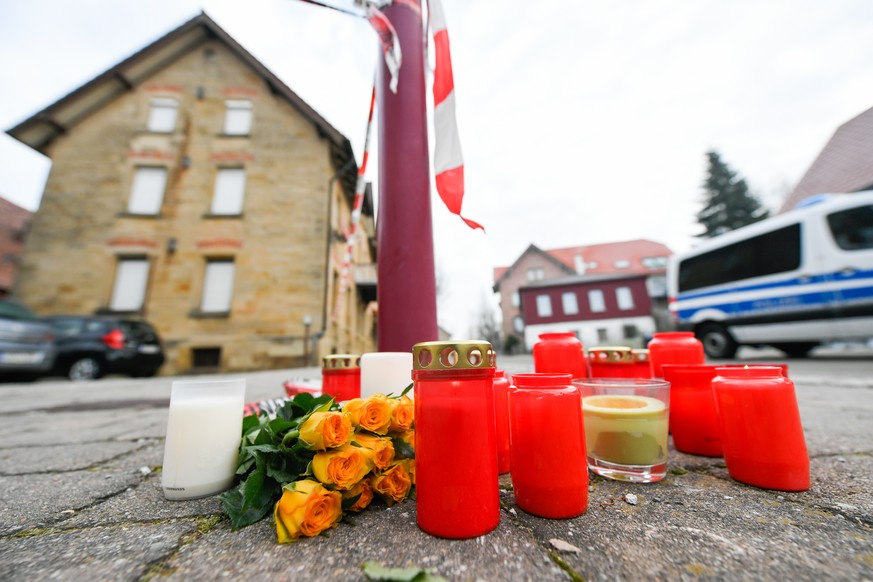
{"x":91,"y":346}
{"x":27,"y":348}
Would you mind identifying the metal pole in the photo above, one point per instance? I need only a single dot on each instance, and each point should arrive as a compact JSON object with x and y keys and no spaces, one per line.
{"x":407,"y":283}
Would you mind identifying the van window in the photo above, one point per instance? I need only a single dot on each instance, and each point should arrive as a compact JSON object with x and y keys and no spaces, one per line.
{"x":852,"y":229}
{"x":766,"y":254}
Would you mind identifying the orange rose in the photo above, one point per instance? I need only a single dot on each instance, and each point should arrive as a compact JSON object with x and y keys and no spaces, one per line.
{"x":372,"y":414}
{"x":402,"y":414}
{"x":409,"y":465}
{"x":393,"y":485}
{"x":324,"y":430}
{"x":306,"y":508}
{"x":341,"y":467}
{"x":378,"y":449}
{"x":362,"y":491}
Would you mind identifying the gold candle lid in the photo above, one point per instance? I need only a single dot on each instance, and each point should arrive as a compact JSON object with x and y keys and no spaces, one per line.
{"x":641,"y":355}
{"x":611,"y":355}
{"x":453,"y":355}
{"x":341,"y":362}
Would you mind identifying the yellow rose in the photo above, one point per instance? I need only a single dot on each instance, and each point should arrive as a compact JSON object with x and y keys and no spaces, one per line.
{"x":341,"y":467}
{"x":393,"y":485}
{"x":402,"y":414}
{"x":409,"y":465}
{"x":372,"y":414}
{"x":378,"y":449}
{"x":306,"y":508}
{"x":363,"y":492}
{"x":324,"y":430}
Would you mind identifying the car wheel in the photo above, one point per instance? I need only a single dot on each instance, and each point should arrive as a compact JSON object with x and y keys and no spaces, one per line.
{"x":718,"y":343}
{"x":84,"y":369}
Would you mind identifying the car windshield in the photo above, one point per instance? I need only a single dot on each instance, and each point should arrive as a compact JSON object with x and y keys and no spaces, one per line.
{"x":12,"y":309}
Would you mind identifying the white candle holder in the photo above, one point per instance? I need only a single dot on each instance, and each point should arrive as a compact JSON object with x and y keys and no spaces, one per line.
{"x":385,"y":372}
{"x":204,"y":430}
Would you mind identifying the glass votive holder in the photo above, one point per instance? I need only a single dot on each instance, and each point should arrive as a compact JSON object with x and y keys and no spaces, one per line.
{"x":385,"y":372}
{"x":341,"y":376}
{"x":760,"y":426}
{"x":547,"y":438}
{"x":626,"y":427}
{"x":204,"y":432}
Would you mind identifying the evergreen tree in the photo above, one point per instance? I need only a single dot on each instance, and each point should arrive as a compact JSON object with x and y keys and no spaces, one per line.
{"x":728,"y":204}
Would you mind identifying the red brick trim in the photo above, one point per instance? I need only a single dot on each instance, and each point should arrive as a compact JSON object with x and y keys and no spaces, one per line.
{"x":240,"y":92}
{"x":129,"y":241}
{"x":150,"y":155}
{"x":219,"y":243}
{"x":231,"y":157}
{"x":164,"y":88}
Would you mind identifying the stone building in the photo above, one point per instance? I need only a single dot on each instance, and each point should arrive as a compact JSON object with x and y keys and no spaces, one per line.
{"x":191,"y":187}
{"x":577,"y":266}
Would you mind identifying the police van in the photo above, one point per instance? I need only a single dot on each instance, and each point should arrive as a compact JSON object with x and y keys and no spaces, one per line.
{"x":791,"y":281}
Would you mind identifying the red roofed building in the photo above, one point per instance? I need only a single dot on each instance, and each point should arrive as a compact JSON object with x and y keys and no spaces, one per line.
{"x":14,"y":223}
{"x":573,"y":271}
{"x":844,"y":165}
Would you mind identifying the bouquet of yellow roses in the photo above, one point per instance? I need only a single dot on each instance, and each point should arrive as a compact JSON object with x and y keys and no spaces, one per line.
{"x":316,"y":460}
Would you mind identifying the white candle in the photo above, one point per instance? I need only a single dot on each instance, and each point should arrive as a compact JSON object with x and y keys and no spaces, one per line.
{"x":384,"y":372}
{"x":204,"y":430}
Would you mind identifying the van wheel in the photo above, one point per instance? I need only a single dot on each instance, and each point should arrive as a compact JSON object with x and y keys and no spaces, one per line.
{"x":718,"y":343}
{"x":796,"y":350}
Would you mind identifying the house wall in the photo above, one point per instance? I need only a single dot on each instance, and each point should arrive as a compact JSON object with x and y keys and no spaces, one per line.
{"x":516,"y":278}
{"x":284,"y":244}
{"x":613,"y":326}
{"x":14,"y":223}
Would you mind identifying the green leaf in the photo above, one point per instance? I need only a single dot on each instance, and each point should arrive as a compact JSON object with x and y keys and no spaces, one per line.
{"x":377,"y":572}
{"x":402,"y":448}
{"x":407,"y":389}
{"x":349,"y":501}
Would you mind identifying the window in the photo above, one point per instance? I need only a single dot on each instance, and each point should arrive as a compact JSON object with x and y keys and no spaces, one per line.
{"x":238,"y":117}
{"x":544,"y":306}
{"x":230,"y":186}
{"x":579,"y":264}
{"x":536,"y":274}
{"x":162,"y":114}
{"x":766,"y":254}
{"x":569,"y":303}
{"x":621,"y":264}
{"x":516,"y":299}
{"x":602,"y":335}
{"x":595,"y":300}
{"x":630,"y":331}
{"x":128,"y":292}
{"x":655,"y":262}
{"x":217,"y":286}
{"x":518,"y":324}
{"x":147,"y":192}
{"x":206,"y":357}
{"x":852,"y":229}
{"x":625,"y":298}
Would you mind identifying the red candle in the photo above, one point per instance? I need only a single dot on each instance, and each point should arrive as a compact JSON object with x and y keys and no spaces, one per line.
{"x":501,"y":418}
{"x":761,"y":430}
{"x":341,"y":376}
{"x":693,"y":417}
{"x":457,"y":493}
{"x":674,"y":347}
{"x":549,"y":461}
{"x":642,"y":364}
{"x":611,"y":362}
{"x":560,"y":353}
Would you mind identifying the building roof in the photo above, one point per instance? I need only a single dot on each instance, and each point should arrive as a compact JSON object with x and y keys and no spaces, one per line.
{"x":40,"y":130}
{"x":844,"y":165}
{"x":577,"y":279}
{"x":598,"y":259}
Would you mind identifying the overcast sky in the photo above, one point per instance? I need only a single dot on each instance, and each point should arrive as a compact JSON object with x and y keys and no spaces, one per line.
{"x":580,"y":122}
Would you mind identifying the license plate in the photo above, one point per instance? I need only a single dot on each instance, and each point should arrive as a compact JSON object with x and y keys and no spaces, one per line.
{"x":148,"y":349}
{"x":21,"y":357}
